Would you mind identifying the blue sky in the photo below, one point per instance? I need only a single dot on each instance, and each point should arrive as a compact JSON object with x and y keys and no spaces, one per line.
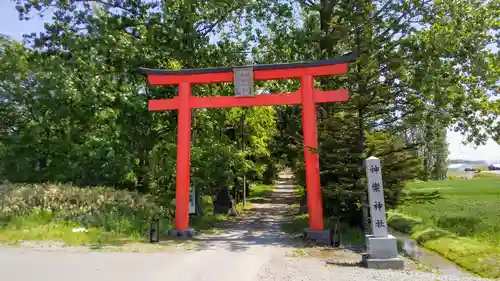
{"x":10,"y":25}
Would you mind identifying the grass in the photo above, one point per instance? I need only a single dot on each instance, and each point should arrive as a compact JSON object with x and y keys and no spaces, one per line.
{"x":467,"y":175}
{"x":486,"y":175}
{"x":299,"y":191}
{"x":298,"y":222}
{"x":210,"y":223}
{"x":469,"y":208}
{"x":49,"y":212}
{"x":44,"y":227}
{"x":42,"y":213}
{"x":26,"y":215}
{"x":463,"y":226}
{"x":260,"y":193}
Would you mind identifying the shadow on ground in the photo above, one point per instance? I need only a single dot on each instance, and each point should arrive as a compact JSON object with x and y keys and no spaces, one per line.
{"x":261,"y":226}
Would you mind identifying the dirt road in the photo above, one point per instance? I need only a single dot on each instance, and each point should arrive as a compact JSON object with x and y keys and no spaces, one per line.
{"x":254,"y":249}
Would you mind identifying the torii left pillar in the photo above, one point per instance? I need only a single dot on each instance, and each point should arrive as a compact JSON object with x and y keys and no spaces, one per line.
{"x":307,"y":96}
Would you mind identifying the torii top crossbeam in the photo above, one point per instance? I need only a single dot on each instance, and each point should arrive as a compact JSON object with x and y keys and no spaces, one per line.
{"x":307,"y":96}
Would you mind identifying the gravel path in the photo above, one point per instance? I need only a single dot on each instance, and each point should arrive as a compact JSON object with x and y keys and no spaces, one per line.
{"x":253,"y":250}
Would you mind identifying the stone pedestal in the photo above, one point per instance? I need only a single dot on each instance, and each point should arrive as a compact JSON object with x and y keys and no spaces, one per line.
{"x":318,"y":236}
{"x":394,"y":263}
{"x":382,"y":253}
{"x":189,"y":233}
{"x":381,"y":247}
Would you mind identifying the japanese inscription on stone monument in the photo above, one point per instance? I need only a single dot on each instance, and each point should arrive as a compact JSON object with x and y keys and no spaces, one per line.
{"x":192,"y":201}
{"x":376,"y":197}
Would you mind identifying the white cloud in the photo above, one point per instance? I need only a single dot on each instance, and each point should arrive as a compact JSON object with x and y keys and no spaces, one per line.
{"x":489,"y":152}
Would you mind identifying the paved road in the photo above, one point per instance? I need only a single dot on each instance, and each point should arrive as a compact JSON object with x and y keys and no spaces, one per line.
{"x":253,"y":250}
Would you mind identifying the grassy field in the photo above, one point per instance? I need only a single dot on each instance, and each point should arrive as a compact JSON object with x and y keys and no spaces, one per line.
{"x":463,"y":225}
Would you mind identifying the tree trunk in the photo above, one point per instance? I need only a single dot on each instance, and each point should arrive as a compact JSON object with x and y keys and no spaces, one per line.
{"x":222,"y":201}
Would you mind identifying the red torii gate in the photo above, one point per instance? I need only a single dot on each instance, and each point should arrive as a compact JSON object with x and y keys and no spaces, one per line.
{"x":307,"y":96}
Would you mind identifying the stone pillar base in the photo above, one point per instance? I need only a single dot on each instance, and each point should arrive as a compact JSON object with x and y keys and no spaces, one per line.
{"x":382,"y":252}
{"x":318,"y":236}
{"x":381,"y":247}
{"x":392,"y":263}
{"x":189,"y":233}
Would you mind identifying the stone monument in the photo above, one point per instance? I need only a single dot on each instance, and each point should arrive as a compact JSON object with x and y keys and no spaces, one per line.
{"x":382,"y":250}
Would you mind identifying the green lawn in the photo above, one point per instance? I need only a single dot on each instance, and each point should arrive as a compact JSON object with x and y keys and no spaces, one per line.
{"x":44,"y":227}
{"x":260,"y":193}
{"x":463,"y":225}
{"x":469,"y":208}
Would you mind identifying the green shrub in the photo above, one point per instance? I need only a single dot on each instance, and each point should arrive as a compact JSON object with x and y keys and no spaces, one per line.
{"x":402,"y":223}
{"x":112,"y":210}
